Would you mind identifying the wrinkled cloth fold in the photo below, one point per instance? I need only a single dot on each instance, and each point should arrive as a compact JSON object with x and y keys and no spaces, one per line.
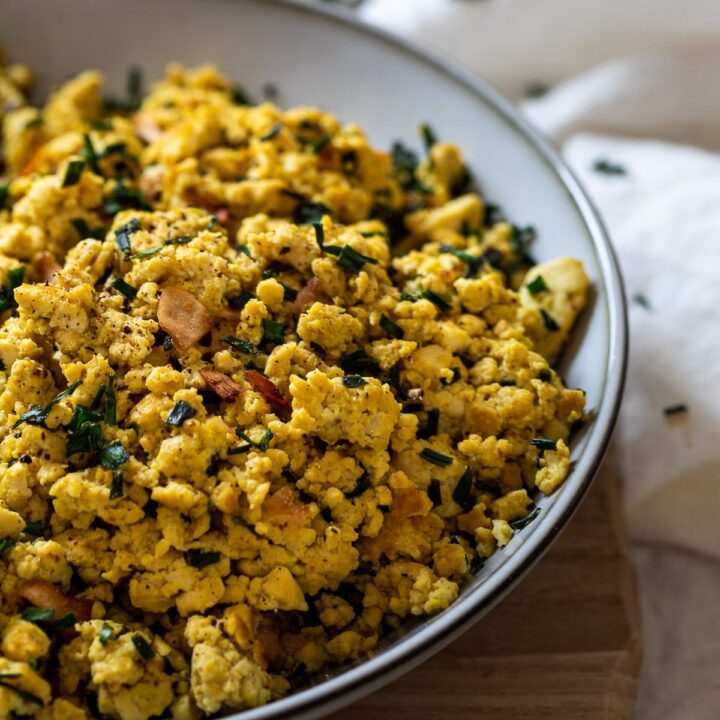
{"x":639,"y":88}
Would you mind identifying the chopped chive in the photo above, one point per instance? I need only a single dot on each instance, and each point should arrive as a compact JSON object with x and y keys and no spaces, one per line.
{"x":545,"y":375}
{"x":181,"y":412}
{"x":261,"y":444}
{"x":353,"y":381}
{"x":606,"y":167}
{"x":272,"y":133}
{"x":241,"y":345}
{"x":239,"y":450}
{"x":65,"y":622}
{"x":33,"y":527}
{"x":549,"y":320}
{"x":89,"y":155}
{"x":462,"y":494}
{"x":113,"y":456}
{"x":428,"y":137}
{"x":99,"y":394}
{"x":123,"y":233}
{"x":435,"y":493}
{"x":507,"y":382}
{"x":245,"y":250}
{"x":537,"y":285}
{"x":35,"y":614}
{"x":520,"y":523}
{"x":125,"y":289}
{"x":472,"y":261}
{"x":319,"y":144}
{"x":22,"y":694}
{"x":273,"y":331}
{"x":348,"y":258}
{"x":102,"y":125}
{"x":201,"y":559}
{"x":431,"y":424}
{"x":289,"y":294}
{"x":122,"y":197}
{"x":309,"y":213}
{"x":6,"y":544}
{"x":236,"y":302}
{"x":436,"y":299}
{"x":436,"y":458}
{"x":362,"y":485}
{"x":544,"y":443}
{"x":319,"y":234}
{"x":677,"y":409}
{"x":37,"y":416}
{"x":642,"y":300}
{"x":84,"y":432}
{"x":4,"y":191}
{"x":359,"y":362}
{"x":83,"y":229}
{"x":73,"y":173}
{"x":391,"y":328}
{"x":134,"y":86}
{"x":144,"y":254}
{"x":116,"y":486}
{"x":105,"y":634}
{"x":143,"y":647}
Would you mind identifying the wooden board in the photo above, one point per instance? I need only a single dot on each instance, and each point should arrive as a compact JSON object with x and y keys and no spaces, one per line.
{"x":565,"y":644}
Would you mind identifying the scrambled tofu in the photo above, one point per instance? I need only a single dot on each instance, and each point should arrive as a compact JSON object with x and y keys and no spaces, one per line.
{"x":265,"y":393}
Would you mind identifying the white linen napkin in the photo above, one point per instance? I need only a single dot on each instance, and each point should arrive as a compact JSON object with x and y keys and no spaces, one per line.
{"x":663,"y":215}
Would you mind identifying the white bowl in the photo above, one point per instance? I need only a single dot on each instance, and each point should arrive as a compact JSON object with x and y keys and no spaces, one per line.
{"x":388,"y":87}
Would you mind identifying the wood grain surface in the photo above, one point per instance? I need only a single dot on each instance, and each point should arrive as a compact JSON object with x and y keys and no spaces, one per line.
{"x":565,"y":644}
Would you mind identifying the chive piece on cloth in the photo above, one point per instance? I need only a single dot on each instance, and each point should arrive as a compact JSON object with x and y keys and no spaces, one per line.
{"x":201,"y":558}
{"x":180,"y":413}
{"x":436,"y":458}
{"x":607,"y":167}
{"x":143,"y":647}
{"x":537,"y":285}
{"x":677,"y":409}
{"x":125,"y":288}
{"x":73,"y":173}
{"x":391,"y":327}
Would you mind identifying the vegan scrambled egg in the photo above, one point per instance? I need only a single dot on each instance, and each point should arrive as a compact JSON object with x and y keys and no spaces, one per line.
{"x":242,"y":437}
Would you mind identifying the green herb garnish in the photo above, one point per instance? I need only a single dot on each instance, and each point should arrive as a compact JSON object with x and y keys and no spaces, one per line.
{"x":436,"y":300}
{"x":520,"y":239}
{"x":237,"y":302}
{"x":677,"y":409}
{"x":35,"y":614}
{"x":73,"y":173}
{"x":143,"y":647}
{"x":240,"y":96}
{"x":89,"y":155}
{"x":83,"y":229}
{"x":391,"y":328}
{"x":125,"y":198}
{"x":642,"y":300}
{"x":125,"y":288}
{"x":435,"y":493}
{"x":111,"y":402}
{"x":428,"y":137}
{"x":37,"y":416}
{"x":32,"y":527}
{"x":6,"y":544}
{"x":537,"y":285}
{"x":242,"y":345}
{"x":201,"y":559}
{"x":436,"y":458}
{"x":549,"y":320}
{"x":431,"y":424}
{"x":181,"y":240}
{"x":309,"y":213}
{"x":362,"y":485}
{"x":544,"y":443}
{"x":116,"y":486}
{"x":105,"y":634}
{"x":318,"y":145}
{"x":84,"y":432}
{"x":261,"y":444}
{"x":462,"y":494}
{"x":4,"y":191}
{"x":273,"y":331}
{"x":15,"y":278}
{"x":65,"y":622}
{"x":606,"y":167}
{"x":474,"y":262}
{"x":180,"y":413}
{"x":353,"y":381}
{"x":405,"y":163}
{"x":520,"y":523}
{"x":113,"y":456}
{"x":319,"y":234}
{"x":272,"y":133}
{"x":122,"y":236}
{"x":359,"y":362}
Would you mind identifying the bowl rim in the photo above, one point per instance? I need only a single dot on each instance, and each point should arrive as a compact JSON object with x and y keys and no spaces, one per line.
{"x":434,"y":634}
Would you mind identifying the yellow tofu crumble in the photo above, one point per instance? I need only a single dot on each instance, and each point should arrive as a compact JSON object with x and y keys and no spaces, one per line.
{"x":266,"y":393}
